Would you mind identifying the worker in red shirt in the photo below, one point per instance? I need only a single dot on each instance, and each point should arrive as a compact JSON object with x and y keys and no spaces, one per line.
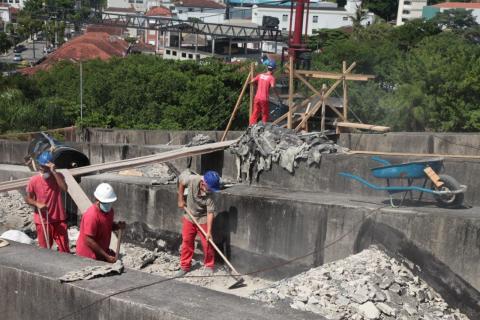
{"x":97,"y":225}
{"x":202,"y":207}
{"x":44,"y":192}
{"x":264,"y":81}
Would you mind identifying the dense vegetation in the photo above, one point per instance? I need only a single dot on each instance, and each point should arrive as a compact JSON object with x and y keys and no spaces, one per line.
{"x":427,"y":78}
{"x":133,"y":92}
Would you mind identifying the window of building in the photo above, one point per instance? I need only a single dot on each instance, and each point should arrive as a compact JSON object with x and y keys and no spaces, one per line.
{"x":201,"y":9}
{"x":180,"y":11}
{"x":345,"y":18}
{"x":139,"y":1}
{"x":407,"y":3}
{"x":168,"y":51}
{"x":198,"y":56}
{"x":406,"y":11}
{"x":190,"y":9}
{"x":174,"y":53}
{"x":131,"y":1}
{"x":284,"y":29}
{"x":190,"y":56}
{"x":285,"y":17}
{"x":315,"y":19}
{"x":151,"y":32}
{"x":184,"y":55}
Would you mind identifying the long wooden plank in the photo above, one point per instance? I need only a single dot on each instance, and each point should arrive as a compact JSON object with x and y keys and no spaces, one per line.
{"x":335,"y":76}
{"x":363,"y":126}
{"x":129,"y":163}
{"x":76,"y":192}
{"x":404,"y":154}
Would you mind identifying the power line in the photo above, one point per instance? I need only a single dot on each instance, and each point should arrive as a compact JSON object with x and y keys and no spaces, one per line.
{"x":275,"y":266}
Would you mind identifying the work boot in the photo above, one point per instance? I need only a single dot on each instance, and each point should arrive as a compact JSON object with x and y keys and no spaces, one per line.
{"x":180,"y":273}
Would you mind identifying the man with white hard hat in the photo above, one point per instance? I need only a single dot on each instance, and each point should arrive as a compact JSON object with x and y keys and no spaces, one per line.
{"x":97,"y":225}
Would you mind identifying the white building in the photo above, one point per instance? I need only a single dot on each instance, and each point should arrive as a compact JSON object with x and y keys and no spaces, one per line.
{"x":4,"y":14}
{"x":409,"y":9}
{"x":323,"y":15}
{"x":205,"y":10}
{"x":17,"y":4}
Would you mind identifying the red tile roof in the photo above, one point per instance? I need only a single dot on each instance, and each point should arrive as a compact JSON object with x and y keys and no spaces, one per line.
{"x":457,"y":5}
{"x":200,"y":4}
{"x":92,"y":45}
{"x":159,"y":12}
{"x":111,"y":30}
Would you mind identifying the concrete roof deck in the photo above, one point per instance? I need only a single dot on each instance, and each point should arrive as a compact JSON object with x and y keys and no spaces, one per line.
{"x":46,"y":298}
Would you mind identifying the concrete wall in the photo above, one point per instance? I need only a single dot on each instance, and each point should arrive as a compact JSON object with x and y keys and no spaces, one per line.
{"x":148,"y":137}
{"x":30,"y":290}
{"x":414,"y":142}
{"x":260,"y":228}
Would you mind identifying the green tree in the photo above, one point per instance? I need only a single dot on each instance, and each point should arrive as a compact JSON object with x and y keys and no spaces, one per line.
{"x":341,"y":3}
{"x":437,"y":86}
{"x":455,"y":19}
{"x":386,"y":9}
{"x":5,"y":42}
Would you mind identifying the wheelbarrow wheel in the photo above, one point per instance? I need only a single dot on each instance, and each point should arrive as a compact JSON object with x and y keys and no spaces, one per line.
{"x":449,"y":184}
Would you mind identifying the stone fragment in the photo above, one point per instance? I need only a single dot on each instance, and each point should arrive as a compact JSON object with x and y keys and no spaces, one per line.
{"x":386,"y":283}
{"x":411,"y":310}
{"x":386,"y":309}
{"x":369,"y":311}
{"x":342,"y":301}
{"x":395,"y":288}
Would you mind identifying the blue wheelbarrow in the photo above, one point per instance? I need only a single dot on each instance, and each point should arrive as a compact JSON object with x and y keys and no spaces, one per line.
{"x":445,"y":189}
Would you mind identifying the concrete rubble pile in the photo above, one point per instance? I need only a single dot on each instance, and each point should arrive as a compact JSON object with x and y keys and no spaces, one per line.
{"x":15,"y":213}
{"x":166,"y":264}
{"x":262,"y":144}
{"x":368,"y":285}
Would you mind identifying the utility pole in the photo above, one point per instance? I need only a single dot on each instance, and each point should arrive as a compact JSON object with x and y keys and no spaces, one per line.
{"x":81,"y":93}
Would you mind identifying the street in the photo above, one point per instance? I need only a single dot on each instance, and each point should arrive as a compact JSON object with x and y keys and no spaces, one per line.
{"x":27,"y":53}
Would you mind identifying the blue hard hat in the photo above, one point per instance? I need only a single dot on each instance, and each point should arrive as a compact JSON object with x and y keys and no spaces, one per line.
{"x":44,"y":158}
{"x":212,"y":179}
{"x":272,"y":64}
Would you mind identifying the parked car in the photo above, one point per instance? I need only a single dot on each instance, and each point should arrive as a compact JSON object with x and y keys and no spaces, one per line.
{"x":17,"y":57}
{"x":17,"y":50}
{"x":48,"y":50}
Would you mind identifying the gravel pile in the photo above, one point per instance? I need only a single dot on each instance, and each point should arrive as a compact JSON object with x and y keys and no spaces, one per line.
{"x":15,"y":213}
{"x":368,"y":285}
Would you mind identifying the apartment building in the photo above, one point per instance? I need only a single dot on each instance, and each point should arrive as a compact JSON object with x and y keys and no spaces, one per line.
{"x":409,"y":9}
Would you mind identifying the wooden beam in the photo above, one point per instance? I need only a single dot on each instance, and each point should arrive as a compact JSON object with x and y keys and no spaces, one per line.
{"x":252,"y":91}
{"x":290,"y":92}
{"x":335,"y":76}
{"x":130,"y":163}
{"x":403,"y":154}
{"x":237,"y":105}
{"x":345,"y":93}
{"x":76,"y":192}
{"x":325,"y":96}
{"x":363,"y":126}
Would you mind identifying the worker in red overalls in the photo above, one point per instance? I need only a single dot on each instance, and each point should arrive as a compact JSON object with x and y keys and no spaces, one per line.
{"x":97,"y":225}
{"x":264,"y":81}
{"x":44,"y":192}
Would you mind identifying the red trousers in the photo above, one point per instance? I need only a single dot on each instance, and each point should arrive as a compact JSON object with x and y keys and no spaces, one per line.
{"x":189,"y":232}
{"x":259,"y":107}
{"x":56,"y":231}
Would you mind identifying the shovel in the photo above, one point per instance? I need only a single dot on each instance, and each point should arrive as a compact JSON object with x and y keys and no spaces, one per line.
{"x":239,"y":281}
{"x":44,"y":226}
{"x":119,"y":240}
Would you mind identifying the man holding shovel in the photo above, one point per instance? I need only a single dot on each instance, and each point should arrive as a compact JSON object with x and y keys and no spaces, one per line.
{"x":200,"y":204}
{"x":44,"y":192}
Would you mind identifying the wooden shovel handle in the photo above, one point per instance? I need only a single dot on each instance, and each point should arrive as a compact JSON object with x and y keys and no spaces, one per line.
{"x":210,"y":240}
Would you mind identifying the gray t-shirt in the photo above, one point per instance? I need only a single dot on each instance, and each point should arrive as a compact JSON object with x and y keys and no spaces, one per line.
{"x":199,"y":202}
